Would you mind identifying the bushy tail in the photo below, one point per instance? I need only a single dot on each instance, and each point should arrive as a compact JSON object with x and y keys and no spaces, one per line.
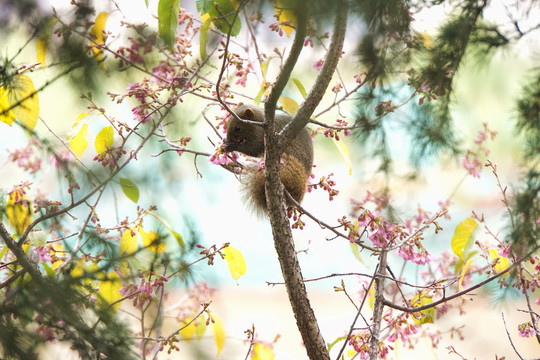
{"x":293,"y":176}
{"x":253,"y":190}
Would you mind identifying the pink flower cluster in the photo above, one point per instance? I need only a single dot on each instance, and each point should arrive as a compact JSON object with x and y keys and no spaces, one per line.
{"x":327,"y":185}
{"x":334,"y":133}
{"x":471,"y":161}
{"x":360,"y":344}
{"x":401,"y":329}
{"x":526,"y":330}
{"x":220,"y":157}
{"x":26,"y":158}
{"x":142,"y":292}
{"x":384,"y":233}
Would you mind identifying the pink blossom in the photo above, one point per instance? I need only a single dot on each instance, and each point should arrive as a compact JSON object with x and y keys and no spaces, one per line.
{"x":62,"y":157}
{"x":472,"y":165}
{"x":504,"y":251}
{"x":318,"y":65}
{"x":526,"y":330}
{"x":163,"y":72}
{"x":25,"y":158}
{"x":220,"y":157}
{"x":417,"y":254}
{"x":43,"y":253}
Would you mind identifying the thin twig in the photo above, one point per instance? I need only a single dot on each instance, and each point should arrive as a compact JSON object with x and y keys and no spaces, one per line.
{"x":510,"y":338}
{"x":358,"y":312}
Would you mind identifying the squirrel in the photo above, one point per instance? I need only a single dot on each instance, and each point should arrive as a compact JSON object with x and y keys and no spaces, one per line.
{"x":297,"y":158}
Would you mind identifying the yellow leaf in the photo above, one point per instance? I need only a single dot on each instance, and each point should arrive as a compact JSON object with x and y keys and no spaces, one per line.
{"x":152,"y":241}
{"x":79,"y":142}
{"x":23,"y":99}
{"x":289,"y":105}
{"x":97,"y":32}
{"x":285,"y":14}
{"x":463,"y":237}
{"x":371,"y":297}
{"x":262,"y":352}
{"x":463,"y":272}
{"x":196,"y":328}
{"x":41,"y":48}
{"x":79,"y":118}
{"x":344,"y":151}
{"x":109,"y":291}
{"x":82,"y":270}
{"x":200,"y":329}
{"x":219,"y":333}
{"x":426,"y":40}
{"x":43,"y":40}
{"x":351,"y":353}
{"x":104,"y":139}
{"x":205,"y":17}
{"x":176,"y":235}
{"x":129,"y":242}
{"x":19,"y":211}
{"x":501,"y":262}
{"x":59,"y":248}
{"x":424,"y":316}
{"x":235,"y":261}
{"x":188,"y":331}
{"x":6,"y":115}
{"x":355,"y":248}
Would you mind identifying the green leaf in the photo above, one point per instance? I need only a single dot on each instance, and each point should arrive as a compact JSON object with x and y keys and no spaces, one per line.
{"x":258,"y":98}
{"x":223,"y":13}
{"x":333,"y":343}
{"x":204,"y":6}
{"x":203,"y":36}
{"x":130,"y":189}
{"x":168,"y":20}
{"x":300,"y":87}
{"x":3,"y":252}
{"x":463,"y":237}
{"x":178,"y":238}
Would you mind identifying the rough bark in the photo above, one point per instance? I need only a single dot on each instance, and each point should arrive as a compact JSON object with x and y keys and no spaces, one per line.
{"x":281,"y":230}
{"x":378,"y":307}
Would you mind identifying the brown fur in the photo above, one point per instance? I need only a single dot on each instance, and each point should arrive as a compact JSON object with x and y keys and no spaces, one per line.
{"x":249,"y":139}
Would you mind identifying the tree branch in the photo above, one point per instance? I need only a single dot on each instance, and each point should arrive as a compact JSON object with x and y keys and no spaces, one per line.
{"x":463,"y":292}
{"x":17,"y":250}
{"x":290,"y":268}
{"x":378,"y":306}
{"x":302,"y":116}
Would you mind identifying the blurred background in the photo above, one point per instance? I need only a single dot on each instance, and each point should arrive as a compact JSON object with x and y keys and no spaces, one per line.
{"x":209,"y":209}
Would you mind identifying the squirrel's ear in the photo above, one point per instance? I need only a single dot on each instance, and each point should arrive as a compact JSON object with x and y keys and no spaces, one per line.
{"x":249,"y":114}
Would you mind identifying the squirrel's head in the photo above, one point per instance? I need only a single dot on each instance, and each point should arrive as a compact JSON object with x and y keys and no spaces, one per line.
{"x":242,"y":137}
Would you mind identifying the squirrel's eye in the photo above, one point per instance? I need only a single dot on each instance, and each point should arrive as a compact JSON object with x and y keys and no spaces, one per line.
{"x":237,"y":128}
